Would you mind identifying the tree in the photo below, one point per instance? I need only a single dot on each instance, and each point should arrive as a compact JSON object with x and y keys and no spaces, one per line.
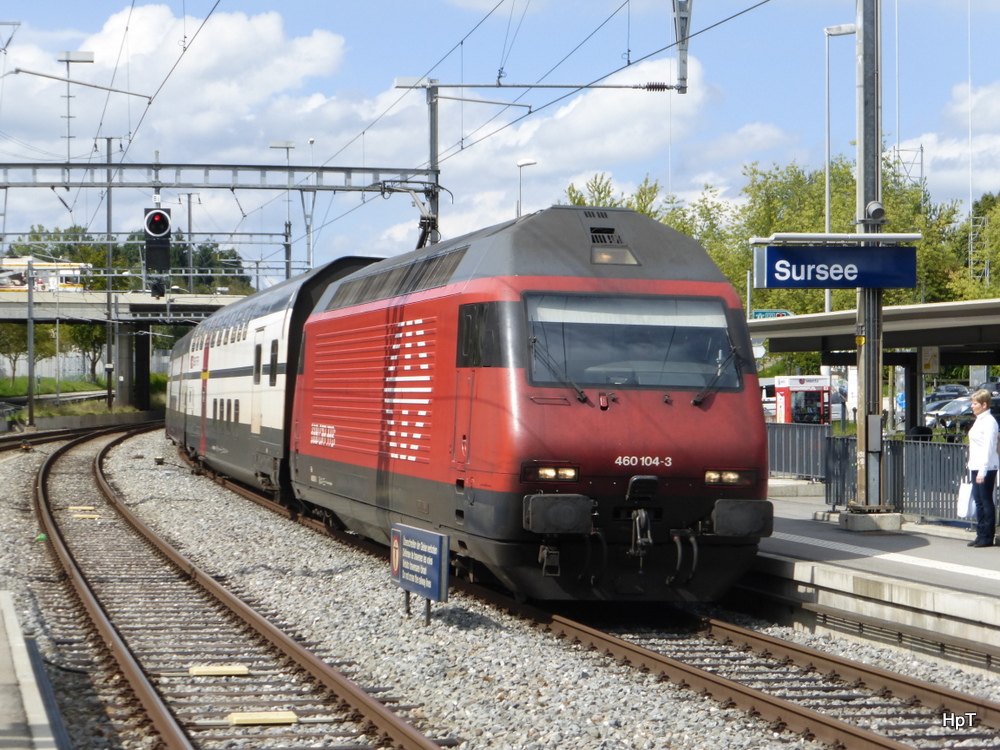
{"x":600,"y":191}
{"x":14,"y":344}
{"x":977,"y":246}
{"x":78,"y":246}
{"x":89,"y":339}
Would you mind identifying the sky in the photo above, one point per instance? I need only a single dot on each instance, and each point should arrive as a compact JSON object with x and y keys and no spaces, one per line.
{"x":227,"y":78}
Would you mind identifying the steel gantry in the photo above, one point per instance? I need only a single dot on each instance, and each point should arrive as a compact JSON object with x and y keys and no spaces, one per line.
{"x":158,"y":177}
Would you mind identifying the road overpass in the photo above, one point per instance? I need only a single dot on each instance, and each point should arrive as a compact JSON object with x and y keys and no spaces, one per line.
{"x":131,"y":315}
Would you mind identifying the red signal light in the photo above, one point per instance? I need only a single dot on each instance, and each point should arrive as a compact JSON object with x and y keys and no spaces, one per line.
{"x":157,"y":223}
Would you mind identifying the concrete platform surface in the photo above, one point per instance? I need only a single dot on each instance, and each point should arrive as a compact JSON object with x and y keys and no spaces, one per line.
{"x":24,"y":723}
{"x":924,"y":576}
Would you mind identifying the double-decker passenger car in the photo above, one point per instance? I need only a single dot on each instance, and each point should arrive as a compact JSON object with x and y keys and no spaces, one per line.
{"x":570,"y":396}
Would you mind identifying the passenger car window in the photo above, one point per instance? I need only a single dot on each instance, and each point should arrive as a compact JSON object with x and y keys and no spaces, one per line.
{"x":273,"y":370}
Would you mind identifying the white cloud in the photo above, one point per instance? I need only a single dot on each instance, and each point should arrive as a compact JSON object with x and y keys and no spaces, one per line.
{"x":985,"y":111}
{"x":946,"y":165}
{"x":246,"y":80}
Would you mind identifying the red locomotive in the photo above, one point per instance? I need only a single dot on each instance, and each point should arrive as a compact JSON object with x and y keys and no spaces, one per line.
{"x":570,"y":396}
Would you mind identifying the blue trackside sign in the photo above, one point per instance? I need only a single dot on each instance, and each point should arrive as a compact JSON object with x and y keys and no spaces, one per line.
{"x":834,"y":267}
{"x":418,"y":562}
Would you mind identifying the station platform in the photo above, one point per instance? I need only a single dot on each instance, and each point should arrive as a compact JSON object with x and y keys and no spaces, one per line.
{"x":24,"y":722}
{"x":924,"y":579}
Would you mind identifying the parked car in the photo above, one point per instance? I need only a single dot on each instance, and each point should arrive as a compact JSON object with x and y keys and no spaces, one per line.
{"x":956,"y":416}
{"x":936,"y":405}
{"x":947,"y":391}
{"x":993,"y":386}
{"x":949,"y":415}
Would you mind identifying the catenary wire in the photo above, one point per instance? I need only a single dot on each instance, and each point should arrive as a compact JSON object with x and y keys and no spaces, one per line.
{"x":572,"y":92}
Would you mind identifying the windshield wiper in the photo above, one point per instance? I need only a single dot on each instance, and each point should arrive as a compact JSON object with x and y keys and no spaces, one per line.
{"x":710,"y":385}
{"x":554,"y":368}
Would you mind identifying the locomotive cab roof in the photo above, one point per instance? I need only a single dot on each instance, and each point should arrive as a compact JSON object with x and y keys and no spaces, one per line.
{"x":557,"y":241}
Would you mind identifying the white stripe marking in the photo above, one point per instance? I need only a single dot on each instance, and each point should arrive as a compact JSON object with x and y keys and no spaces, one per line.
{"x":891,"y":556}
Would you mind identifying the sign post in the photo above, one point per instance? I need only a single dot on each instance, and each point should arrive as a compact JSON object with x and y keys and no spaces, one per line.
{"x":868,"y":262}
{"x":418,"y":562}
{"x":834,"y":267}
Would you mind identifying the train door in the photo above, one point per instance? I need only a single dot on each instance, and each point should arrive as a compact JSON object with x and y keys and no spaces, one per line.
{"x":464,"y":388}
{"x":203,"y":434}
{"x":255,"y":396}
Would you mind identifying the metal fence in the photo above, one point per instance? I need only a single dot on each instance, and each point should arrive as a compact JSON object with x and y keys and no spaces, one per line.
{"x":797,"y":450}
{"x":919,"y":479}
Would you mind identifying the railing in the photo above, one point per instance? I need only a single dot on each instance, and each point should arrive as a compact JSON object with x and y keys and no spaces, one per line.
{"x":919,"y":478}
{"x":797,"y":450}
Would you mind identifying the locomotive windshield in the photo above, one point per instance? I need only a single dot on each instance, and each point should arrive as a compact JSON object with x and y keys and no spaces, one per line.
{"x":595,"y":340}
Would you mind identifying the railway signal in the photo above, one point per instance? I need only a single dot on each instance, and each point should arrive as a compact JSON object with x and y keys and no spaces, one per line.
{"x":156,"y":226}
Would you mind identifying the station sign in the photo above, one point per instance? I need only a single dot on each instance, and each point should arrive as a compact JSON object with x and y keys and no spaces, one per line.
{"x":835,"y":267}
{"x":418,"y":562}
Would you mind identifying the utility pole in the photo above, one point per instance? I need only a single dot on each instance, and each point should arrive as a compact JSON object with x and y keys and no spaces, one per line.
{"x":190,"y":245}
{"x":30,"y":278}
{"x":432,"y":109}
{"x":682,"y":27}
{"x":109,"y":328}
{"x":870,"y":217}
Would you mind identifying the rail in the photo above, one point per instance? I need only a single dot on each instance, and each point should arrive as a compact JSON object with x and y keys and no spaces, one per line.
{"x":781,"y":711}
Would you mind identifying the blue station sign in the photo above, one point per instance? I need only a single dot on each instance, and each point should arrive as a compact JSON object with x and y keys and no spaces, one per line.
{"x":418,"y":561}
{"x":834,"y":267}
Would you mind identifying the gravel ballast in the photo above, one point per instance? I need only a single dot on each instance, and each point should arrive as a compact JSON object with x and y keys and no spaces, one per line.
{"x":477,"y":673}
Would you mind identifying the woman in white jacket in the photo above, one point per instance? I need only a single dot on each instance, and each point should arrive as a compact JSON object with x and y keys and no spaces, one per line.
{"x":983,"y":464}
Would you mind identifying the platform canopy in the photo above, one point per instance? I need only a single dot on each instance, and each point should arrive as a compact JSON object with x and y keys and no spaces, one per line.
{"x":965,"y":332}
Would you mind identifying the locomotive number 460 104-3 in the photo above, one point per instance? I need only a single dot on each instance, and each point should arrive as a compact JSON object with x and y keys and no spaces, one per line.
{"x":644,"y":461}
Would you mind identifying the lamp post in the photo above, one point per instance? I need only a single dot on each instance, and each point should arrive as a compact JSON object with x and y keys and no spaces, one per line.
{"x":841,"y":30}
{"x":520,"y":169}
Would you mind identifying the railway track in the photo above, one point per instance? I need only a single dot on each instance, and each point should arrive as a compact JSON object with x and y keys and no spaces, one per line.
{"x":206,"y":669}
{"x":841,"y":703}
{"x":26,"y":441}
{"x":835,"y":700}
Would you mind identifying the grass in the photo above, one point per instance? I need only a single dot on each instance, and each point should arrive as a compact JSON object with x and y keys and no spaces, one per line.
{"x":47,"y":386}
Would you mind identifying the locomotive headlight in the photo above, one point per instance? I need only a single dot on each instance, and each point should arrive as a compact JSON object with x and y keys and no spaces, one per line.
{"x":730,"y":477}
{"x":540,"y":473}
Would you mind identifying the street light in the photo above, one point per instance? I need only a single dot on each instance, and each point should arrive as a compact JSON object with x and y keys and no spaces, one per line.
{"x":844,"y":29}
{"x":520,"y":169}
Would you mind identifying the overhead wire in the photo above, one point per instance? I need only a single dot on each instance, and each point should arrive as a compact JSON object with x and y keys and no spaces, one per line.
{"x":392,"y":105}
{"x":505,"y":52}
{"x":452,"y":151}
{"x":572,"y":92}
{"x":549,"y":72}
{"x":460,"y":45}
{"x":163,"y":83}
